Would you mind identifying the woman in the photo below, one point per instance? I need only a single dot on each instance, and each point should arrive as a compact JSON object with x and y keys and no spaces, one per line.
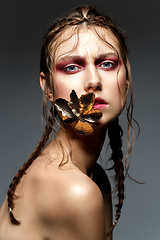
{"x":61,"y":192}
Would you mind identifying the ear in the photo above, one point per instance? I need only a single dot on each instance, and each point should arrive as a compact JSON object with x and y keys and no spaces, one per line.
{"x":47,"y":91}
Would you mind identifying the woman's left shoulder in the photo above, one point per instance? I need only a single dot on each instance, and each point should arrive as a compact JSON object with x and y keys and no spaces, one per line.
{"x":101,"y":179}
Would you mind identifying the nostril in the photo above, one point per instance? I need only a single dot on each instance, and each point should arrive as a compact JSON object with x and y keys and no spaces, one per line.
{"x":99,"y":87}
{"x":94,"y":86}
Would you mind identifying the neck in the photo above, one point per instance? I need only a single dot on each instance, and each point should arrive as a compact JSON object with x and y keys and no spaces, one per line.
{"x":84,"y":150}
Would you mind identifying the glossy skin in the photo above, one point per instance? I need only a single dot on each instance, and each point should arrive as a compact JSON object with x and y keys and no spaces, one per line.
{"x":56,"y":204}
{"x":72,"y":202}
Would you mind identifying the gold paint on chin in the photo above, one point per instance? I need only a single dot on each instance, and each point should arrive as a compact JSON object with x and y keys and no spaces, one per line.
{"x":83,"y":128}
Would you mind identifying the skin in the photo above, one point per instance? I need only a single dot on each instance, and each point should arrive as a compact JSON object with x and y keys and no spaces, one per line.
{"x":72,"y":202}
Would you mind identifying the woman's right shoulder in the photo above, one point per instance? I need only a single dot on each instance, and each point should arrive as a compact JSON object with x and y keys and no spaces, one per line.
{"x":65,"y":196}
{"x":68,"y":197}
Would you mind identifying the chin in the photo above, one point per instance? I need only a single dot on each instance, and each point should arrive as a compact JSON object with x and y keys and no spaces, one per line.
{"x":103,"y":122}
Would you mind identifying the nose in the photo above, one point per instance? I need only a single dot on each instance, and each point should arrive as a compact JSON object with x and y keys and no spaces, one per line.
{"x":93,"y":81}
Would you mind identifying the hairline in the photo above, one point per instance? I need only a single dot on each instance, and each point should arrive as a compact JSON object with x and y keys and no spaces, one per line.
{"x":75,"y":32}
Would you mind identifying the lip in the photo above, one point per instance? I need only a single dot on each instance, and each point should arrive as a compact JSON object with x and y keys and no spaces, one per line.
{"x":100,"y":103}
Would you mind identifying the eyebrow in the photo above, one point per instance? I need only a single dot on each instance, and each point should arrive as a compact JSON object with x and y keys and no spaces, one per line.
{"x":70,"y":58}
{"x":106,"y":55}
{"x":79,"y":57}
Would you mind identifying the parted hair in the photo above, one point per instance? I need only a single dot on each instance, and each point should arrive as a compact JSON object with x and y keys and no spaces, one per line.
{"x":90,"y":17}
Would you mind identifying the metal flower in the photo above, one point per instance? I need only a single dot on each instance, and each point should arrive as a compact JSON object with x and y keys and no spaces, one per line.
{"x":80,"y":112}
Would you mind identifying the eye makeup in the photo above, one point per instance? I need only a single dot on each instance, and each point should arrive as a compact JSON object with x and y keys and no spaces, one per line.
{"x":73,"y":64}
{"x":107,"y":61}
{"x":70,"y":64}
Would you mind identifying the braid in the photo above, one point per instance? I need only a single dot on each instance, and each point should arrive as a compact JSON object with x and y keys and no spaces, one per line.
{"x":22,"y":170}
{"x":115,"y":133}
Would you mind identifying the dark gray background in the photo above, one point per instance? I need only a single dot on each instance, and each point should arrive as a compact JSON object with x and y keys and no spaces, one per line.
{"x":22,"y":25}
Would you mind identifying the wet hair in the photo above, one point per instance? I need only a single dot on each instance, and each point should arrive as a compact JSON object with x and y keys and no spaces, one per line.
{"x":85,"y":16}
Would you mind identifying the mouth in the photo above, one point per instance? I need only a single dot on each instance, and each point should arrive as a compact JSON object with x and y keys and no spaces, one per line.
{"x":100,"y":103}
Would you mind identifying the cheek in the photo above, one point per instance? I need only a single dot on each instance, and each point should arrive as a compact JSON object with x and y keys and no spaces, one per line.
{"x":122,"y":84}
{"x":61,"y":90}
{"x":63,"y":86}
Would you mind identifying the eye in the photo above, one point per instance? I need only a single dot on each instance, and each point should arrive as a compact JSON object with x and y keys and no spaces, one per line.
{"x":71,"y":69}
{"x":108,"y":65}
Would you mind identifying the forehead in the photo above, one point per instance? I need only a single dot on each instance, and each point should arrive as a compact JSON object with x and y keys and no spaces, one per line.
{"x":86,"y":39}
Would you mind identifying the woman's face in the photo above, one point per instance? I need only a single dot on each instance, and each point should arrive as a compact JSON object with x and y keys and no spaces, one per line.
{"x":92,"y":66}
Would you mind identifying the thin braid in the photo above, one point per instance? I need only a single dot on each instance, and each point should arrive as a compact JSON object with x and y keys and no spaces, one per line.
{"x":115,"y":133}
{"x":12,"y":187}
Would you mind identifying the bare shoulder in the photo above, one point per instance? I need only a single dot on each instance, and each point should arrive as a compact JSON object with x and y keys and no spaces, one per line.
{"x":70,"y":200}
{"x":85,"y":209}
{"x":85,"y":191}
{"x":50,"y":181}
{"x":47,"y":176}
